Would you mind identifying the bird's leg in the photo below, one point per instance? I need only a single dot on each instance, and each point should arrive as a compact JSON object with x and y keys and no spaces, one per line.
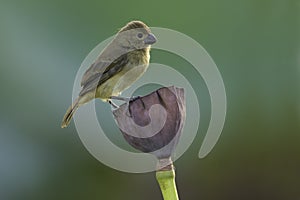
{"x":112,"y":104}
{"x":126,"y":99}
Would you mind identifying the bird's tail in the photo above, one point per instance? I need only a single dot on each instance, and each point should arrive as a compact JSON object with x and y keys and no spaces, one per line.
{"x":69,"y":114}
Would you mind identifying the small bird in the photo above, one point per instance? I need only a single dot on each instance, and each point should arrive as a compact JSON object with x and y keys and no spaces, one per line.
{"x":119,"y":65}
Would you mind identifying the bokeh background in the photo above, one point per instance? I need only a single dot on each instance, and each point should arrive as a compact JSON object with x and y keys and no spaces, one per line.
{"x":255,"y":44}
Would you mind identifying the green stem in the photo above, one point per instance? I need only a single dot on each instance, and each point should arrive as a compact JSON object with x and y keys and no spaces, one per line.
{"x":166,"y":180}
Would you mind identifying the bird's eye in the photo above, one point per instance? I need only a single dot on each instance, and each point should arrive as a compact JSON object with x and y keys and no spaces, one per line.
{"x":140,"y":35}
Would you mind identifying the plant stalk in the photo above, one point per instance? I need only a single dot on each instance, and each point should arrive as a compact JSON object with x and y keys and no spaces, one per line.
{"x":166,"y":180}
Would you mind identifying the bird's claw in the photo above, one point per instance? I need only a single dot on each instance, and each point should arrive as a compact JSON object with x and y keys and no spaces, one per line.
{"x":134,"y":98}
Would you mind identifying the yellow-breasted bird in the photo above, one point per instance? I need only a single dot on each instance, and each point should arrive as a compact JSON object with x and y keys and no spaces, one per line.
{"x":118,"y":66}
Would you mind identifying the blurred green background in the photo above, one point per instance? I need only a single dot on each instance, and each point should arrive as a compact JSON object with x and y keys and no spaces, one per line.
{"x":255,"y":44}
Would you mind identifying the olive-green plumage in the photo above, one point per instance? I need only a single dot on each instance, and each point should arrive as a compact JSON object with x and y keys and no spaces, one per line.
{"x":118,"y":66}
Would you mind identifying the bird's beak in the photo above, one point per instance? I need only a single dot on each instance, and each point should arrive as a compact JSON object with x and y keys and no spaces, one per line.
{"x":150,"y":39}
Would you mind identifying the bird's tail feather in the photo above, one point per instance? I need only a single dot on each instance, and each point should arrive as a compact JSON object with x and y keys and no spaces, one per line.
{"x":69,"y":114}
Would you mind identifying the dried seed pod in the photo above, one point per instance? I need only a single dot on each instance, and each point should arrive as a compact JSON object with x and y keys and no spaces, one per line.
{"x":153,"y":123}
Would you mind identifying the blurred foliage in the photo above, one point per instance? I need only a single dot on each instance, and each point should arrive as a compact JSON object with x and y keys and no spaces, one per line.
{"x":255,"y":44}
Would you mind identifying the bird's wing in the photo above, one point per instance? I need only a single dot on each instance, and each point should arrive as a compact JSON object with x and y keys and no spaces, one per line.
{"x":98,"y":67}
{"x":106,"y":60}
{"x":101,"y":72}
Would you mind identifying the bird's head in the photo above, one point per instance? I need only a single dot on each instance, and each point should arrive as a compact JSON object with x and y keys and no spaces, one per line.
{"x":136,"y":35}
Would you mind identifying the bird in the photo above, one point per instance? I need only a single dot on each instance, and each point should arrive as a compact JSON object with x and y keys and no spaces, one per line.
{"x":122,"y":62}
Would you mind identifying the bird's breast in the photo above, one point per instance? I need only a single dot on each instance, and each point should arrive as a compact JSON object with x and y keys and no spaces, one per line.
{"x":133,"y":70}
